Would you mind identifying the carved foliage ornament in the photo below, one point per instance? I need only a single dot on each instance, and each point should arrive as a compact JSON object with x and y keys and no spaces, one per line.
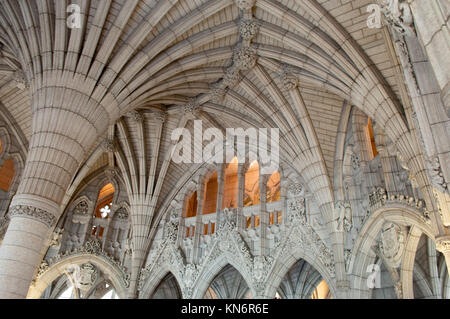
{"x":34,"y":213}
{"x":398,"y":14}
{"x":244,"y":58}
{"x":248,"y":29}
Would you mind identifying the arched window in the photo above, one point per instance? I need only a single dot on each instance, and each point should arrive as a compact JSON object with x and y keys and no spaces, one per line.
{"x":103,"y":208}
{"x":231,"y":185}
{"x":191,"y":211}
{"x":273,"y":195}
{"x":210,"y":201}
{"x":370,"y":137}
{"x":7,"y":172}
{"x":251,"y":189}
{"x":273,"y":188}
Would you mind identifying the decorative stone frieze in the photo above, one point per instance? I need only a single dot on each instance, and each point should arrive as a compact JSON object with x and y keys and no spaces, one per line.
{"x":91,"y":247}
{"x":33,"y":213}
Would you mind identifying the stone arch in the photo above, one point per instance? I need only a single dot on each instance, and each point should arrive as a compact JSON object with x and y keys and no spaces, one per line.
{"x":209,"y":273}
{"x":157,"y":275}
{"x":110,"y":271}
{"x":166,"y":279}
{"x":287,"y":261}
{"x":362,"y":254}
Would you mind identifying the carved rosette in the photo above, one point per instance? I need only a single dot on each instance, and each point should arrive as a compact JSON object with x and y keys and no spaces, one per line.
{"x":244,"y":58}
{"x":248,"y":28}
{"x":34,"y":213}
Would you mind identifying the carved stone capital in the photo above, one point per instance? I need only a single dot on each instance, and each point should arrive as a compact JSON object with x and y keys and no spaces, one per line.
{"x":443,"y":244}
{"x":33,"y":213}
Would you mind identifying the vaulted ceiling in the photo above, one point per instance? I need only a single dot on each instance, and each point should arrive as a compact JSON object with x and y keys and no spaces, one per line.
{"x":196,"y":56}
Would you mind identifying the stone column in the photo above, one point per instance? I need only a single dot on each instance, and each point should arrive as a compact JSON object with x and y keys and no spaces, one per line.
{"x":241,"y":222}
{"x":264,"y":215}
{"x":65,"y":126}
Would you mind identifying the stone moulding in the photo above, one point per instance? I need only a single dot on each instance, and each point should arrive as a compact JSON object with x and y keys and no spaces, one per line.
{"x":33,"y":213}
{"x":91,"y":247}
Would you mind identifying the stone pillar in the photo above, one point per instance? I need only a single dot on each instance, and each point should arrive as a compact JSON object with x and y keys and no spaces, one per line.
{"x":199,"y":229}
{"x":264,"y":215}
{"x":22,"y":248}
{"x":65,"y":125}
{"x":241,"y":222}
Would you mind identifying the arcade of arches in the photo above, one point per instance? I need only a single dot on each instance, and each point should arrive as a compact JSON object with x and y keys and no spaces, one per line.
{"x":92,"y":206}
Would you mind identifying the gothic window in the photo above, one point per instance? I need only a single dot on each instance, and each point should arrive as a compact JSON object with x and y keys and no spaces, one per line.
{"x":210,"y":198}
{"x":103,"y":207}
{"x":231,"y":185}
{"x":370,"y":137}
{"x":251,"y":189}
{"x":7,"y":172}
{"x":191,"y":211}
{"x":273,"y":188}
